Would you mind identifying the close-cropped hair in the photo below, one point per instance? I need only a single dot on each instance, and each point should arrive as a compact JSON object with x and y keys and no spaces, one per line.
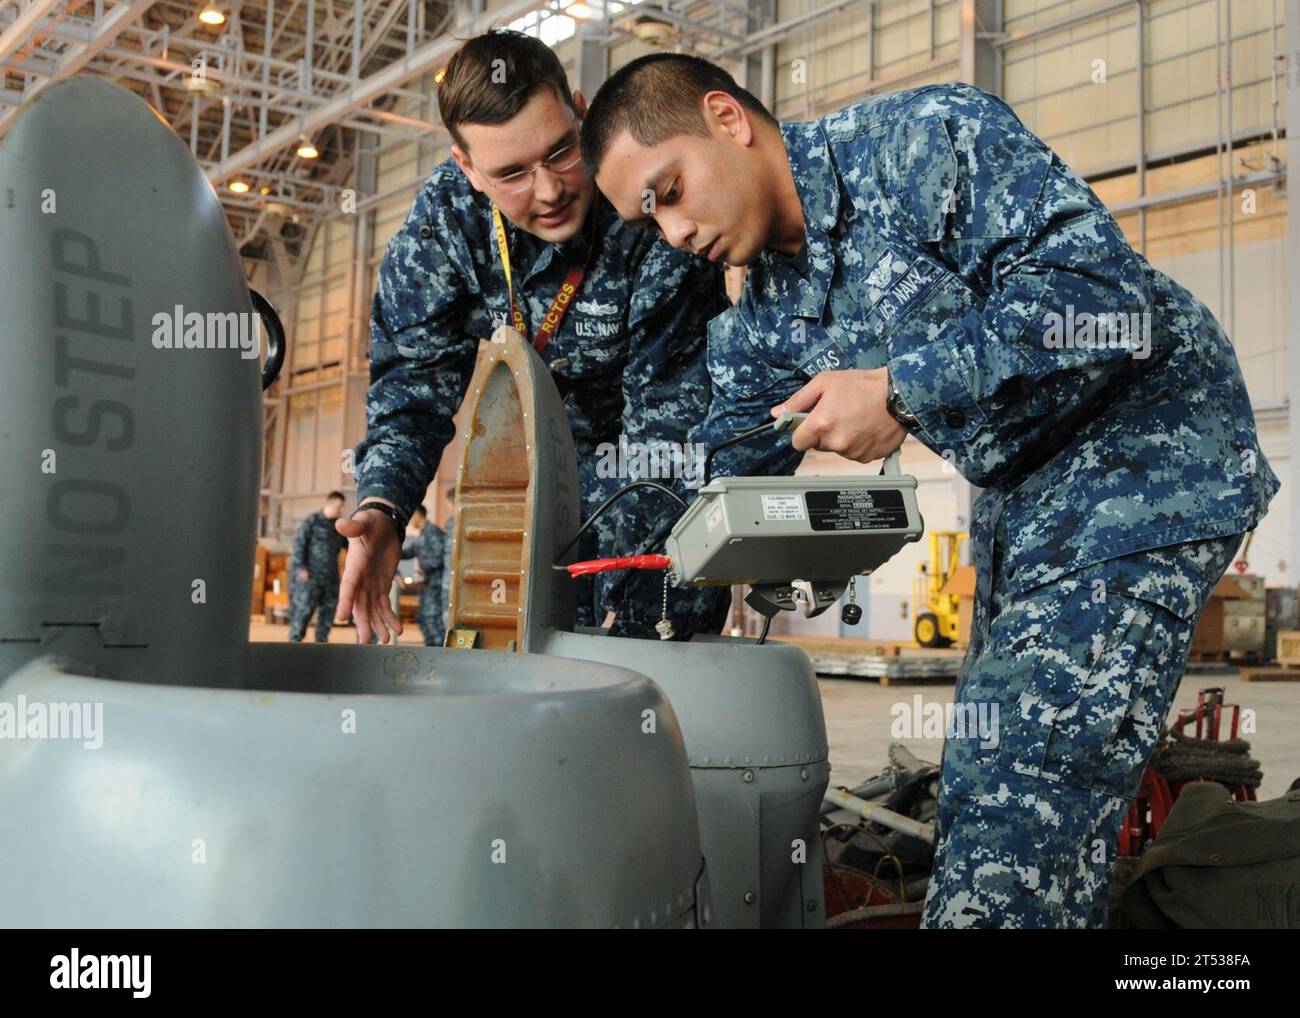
{"x":657,"y":97}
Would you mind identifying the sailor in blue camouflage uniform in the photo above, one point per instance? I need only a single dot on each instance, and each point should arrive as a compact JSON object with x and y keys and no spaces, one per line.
{"x":314,"y":570}
{"x":628,"y":355}
{"x":921,"y":262}
{"x":428,"y":548}
{"x":448,"y":550}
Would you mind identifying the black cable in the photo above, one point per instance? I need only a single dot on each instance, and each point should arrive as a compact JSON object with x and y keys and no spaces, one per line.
{"x":767,"y":624}
{"x":708,"y":459}
{"x":609,"y":502}
{"x":708,"y":474}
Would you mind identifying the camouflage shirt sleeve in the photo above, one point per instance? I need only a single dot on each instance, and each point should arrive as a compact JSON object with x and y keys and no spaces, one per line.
{"x":666,"y":392}
{"x":666,"y":386}
{"x":434,"y":551}
{"x":421,"y":359}
{"x":301,"y":547}
{"x":666,"y":380}
{"x":744,"y":389}
{"x":1029,"y":240}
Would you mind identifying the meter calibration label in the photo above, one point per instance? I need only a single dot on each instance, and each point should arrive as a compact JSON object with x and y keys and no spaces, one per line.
{"x":857,"y":509}
{"x":783,"y":507}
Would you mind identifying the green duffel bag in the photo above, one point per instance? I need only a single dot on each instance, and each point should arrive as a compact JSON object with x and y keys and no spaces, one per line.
{"x":1220,"y":864}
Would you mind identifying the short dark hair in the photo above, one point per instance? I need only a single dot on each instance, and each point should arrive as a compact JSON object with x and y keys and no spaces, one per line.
{"x":491,"y":78}
{"x":333,"y":495}
{"x":420,"y":511}
{"x":654,"y":98}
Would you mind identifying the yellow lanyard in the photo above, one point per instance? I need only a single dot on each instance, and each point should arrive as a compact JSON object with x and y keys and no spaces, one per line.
{"x":504,"y":251}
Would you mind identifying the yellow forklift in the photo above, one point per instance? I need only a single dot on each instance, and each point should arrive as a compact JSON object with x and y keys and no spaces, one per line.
{"x":934,"y":615}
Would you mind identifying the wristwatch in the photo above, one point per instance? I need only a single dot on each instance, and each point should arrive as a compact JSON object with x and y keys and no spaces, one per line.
{"x":395,"y":515}
{"x":897,"y":408}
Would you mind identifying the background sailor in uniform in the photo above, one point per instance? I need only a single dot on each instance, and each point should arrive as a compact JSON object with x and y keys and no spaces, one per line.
{"x":427,"y":545}
{"x":314,"y":570}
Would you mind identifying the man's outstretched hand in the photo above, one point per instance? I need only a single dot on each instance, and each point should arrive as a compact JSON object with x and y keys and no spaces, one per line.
{"x":368,"y":570}
{"x":848,"y":415}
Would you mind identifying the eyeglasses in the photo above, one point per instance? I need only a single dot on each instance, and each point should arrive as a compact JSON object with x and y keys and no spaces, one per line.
{"x":560,"y":161}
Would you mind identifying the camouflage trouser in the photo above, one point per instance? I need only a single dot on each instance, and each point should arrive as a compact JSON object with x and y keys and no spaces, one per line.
{"x":431,"y":615}
{"x":321,"y":597}
{"x":598,"y":541}
{"x":1077,"y":676}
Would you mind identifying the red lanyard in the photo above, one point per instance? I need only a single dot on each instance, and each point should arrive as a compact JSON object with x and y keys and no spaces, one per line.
{"x":563,"y":297}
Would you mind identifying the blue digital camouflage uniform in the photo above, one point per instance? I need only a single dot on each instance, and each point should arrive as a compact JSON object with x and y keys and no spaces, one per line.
{"x":1080,"y":673}
{"x":315,"y":548}
{"x":448,"y":547}
{"x":428,"y":548}
{"x":942,"y":238}
{"x":628,"y":356}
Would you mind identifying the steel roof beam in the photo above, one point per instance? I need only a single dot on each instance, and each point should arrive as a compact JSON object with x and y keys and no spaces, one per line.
{"x":76,"y":30}
{"x":102,"y":35}
{"x":24,"y":26}
{"x":426,"y":58}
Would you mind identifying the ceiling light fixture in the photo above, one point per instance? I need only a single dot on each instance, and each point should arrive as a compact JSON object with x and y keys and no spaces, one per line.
{"x":650,"y":29}
{"x":201,"y":85}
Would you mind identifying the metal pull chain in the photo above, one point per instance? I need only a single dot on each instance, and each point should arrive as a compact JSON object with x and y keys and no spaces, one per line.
{"x":663,"y":627}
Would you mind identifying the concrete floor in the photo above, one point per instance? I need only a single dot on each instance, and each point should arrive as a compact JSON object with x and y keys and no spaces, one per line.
{"x":859,"y":714}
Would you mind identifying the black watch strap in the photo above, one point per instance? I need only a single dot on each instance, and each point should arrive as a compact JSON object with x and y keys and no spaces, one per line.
{"x":393,"y":514}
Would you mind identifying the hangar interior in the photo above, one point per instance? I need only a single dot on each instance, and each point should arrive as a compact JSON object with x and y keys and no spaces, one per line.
{"x":1167,"y":108}
{"x":316,"y":123}
{"x":1175,"y":113}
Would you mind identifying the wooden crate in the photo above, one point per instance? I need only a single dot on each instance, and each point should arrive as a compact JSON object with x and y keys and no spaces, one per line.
{"x":1288,"y":647}
{"x":1208,"y":641}
{"x":275,"y":600}
{"x":260,"y":557}
{"x":962,"y":586}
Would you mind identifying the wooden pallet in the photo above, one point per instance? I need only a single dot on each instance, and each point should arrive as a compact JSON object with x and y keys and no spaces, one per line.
{"x":920,"y":680}
{"x":1204,"y":658}
{"x":1271,"y":673}
{"x":846,"y":645}
{"x":862,"y":660}
{"x":849,"y":646}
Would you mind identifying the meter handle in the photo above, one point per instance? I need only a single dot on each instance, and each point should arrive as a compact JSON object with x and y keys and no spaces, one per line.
{"x":785,"y":422}
{"x":790,"y":421}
